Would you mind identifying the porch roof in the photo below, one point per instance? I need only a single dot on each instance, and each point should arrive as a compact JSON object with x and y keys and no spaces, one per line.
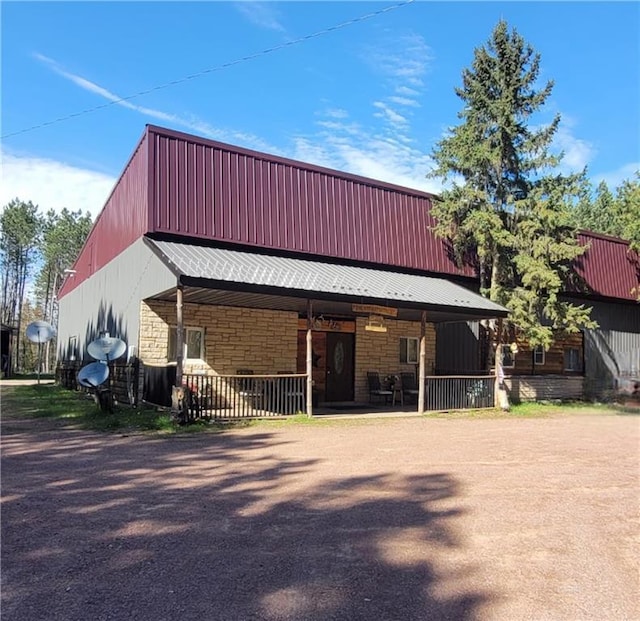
{"x":231,"y":277}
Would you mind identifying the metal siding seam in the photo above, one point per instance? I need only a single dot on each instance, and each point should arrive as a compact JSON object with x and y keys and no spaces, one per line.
{"x":260,"y":184}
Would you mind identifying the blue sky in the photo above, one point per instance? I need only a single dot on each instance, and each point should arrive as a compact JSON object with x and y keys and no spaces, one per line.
{"x":370,"y":98}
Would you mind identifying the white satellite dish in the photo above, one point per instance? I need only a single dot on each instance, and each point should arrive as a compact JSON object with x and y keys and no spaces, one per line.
{"x":94,"y":374}
{"x":107,"y":348}
{"x":40,"y":331}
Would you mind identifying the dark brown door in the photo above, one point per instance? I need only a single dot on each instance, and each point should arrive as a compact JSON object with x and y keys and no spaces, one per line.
{"x":340,"y":348}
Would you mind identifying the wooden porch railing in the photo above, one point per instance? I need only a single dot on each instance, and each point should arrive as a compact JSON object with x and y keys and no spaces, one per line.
{"x":231,"y":397}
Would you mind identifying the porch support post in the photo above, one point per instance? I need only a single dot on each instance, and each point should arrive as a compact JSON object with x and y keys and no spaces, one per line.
{"x":499,"y":373}
{"x":422,"y":367}
{"x":309,"y":359}
{"x":178,"y":406}
{"x":179,"y":336}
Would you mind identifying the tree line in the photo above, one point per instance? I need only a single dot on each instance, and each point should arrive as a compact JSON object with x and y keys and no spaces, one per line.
{"x":35,"y":250}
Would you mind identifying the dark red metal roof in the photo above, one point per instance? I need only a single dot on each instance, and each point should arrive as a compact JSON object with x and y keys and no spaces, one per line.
{"x":209,"y":190}
{"x":609,"y":268}
{"x":180,"y":185}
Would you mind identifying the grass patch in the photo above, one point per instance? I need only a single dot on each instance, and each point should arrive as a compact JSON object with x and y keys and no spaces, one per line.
{"x":56,"y":403}
{"x":79,"y":409}
{"x":540,"y":409}
{"x":53,"y":402}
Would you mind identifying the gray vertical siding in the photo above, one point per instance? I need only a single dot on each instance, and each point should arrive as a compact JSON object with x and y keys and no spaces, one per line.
{"x":613,"y":350}
{"x":110,"y":299}
{"x":458,"y":348}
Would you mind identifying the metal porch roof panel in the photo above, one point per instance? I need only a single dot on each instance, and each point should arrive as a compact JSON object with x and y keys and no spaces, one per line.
{"x":244,"y":268}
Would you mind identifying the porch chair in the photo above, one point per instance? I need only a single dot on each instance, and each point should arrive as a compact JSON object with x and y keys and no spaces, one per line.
{"x":376,"y":389}
{"x":409,"y":385}
{"x":249,"y":388}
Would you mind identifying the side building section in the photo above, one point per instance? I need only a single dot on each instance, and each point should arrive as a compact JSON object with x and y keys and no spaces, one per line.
{"x":612,"y":352}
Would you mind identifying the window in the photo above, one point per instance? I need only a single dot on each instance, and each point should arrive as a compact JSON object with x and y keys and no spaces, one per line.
{"x":72,"y":348}
{"x":409,"y":348}
{"x":508,"y":357}
{"x":193,"y":344}
{"x":538,"y":355}
{"x":572,"y":360}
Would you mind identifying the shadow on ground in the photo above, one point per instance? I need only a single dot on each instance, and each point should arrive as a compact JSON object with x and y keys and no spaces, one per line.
{"x":217,"y":527}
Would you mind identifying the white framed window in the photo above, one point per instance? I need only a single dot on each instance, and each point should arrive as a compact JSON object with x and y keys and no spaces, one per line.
{"x":409,"y":350}
{"x":193,"y":343}
{"x":572,"y":360}
{"x":508,"y":357}
{"x":538,"y":355}
{"x":72,"y":350}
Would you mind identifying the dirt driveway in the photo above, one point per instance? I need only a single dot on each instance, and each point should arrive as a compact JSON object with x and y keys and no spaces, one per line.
{"x":399,"y":519}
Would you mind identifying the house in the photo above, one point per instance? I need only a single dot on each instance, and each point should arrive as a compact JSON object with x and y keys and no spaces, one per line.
{"x":214,"y":261}
{"x":251,"y":264}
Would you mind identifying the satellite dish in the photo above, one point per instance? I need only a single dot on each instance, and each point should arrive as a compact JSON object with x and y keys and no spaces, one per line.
{"x":40,"y":331}
{"x":107,"y":348}
{"x":93,"y":374}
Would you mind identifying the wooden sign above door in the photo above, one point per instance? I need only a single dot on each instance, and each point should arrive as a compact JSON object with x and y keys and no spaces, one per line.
{"x":373,"y":309}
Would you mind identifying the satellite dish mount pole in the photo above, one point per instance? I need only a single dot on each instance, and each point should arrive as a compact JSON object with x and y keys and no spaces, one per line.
{"x":39,"y":356}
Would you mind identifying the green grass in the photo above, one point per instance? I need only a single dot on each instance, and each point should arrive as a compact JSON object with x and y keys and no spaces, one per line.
{"x":79,"y":409}
{"x":56,"y":403}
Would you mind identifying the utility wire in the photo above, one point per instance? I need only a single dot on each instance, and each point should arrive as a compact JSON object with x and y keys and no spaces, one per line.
{"x":204,"y":72}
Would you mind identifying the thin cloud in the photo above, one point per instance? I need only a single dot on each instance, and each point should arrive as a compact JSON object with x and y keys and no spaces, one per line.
{"x":365,"y":152}
{"x":384,"y":149}
{"x":388,"y":113}
{"x":52,"y":184}
{"x":404,"y":101}
{"x":403,"y":59}
{"x":577,"y":152}
{"x":336,"y":113}
{"x":615,"y":178}
{"x":261,"y":14}
{"x":190,"y":122}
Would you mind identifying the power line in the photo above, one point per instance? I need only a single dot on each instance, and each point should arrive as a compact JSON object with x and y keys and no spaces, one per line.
{"x":204,"y":72}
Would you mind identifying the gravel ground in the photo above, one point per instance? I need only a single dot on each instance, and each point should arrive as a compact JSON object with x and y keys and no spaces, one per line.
{"x":394,"y":519}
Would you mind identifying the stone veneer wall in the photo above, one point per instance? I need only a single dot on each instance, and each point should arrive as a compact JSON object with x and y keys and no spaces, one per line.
{"x":264,"y":341}
{"x":380,"y":351}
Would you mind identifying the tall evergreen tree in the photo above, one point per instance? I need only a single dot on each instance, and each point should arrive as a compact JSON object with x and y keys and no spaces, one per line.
{"x":64,"y":233}
{"x":504,"y":204}
{"x":596,"y":213}
{"x":21,"y":226}
{"x":627,"y":210}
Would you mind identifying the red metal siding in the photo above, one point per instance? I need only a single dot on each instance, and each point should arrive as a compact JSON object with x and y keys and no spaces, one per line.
{"x":209,"y":190}
{"x":608,"y":267}
{"x":123,"y":219}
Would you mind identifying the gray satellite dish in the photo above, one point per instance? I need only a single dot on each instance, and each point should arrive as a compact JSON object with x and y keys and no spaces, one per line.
{"x":94,"y":374}
{"x":107,"y":348}
{"x":40,"y":331}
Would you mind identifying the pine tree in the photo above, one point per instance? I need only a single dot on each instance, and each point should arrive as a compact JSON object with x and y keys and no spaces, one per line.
{"x":64,"y":233}
{"x":627,"y":210}
{"x":596,"y":213}
{"x":21,"y":226}
{"x":505,"y":206}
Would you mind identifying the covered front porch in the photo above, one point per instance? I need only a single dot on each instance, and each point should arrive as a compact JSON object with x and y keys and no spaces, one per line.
{"x":253,"y":335}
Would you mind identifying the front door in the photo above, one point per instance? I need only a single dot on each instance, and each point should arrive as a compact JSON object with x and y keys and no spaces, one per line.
{"x":340,"y":349}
